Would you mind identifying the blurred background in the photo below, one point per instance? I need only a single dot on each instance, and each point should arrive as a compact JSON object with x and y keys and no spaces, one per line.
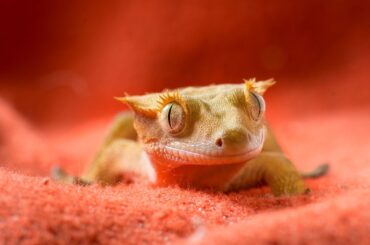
{"x":62,"y":62}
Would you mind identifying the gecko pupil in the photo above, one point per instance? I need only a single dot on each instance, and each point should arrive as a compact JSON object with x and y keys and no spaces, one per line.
{"x":169,"y":116}
{"x":173,"y":118}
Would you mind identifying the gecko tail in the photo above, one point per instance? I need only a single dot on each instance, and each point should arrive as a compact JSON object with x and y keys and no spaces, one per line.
{"x":319,"y":171}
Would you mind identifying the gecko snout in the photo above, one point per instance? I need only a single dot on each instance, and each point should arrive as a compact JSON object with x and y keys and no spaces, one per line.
{"x":232,"y":139}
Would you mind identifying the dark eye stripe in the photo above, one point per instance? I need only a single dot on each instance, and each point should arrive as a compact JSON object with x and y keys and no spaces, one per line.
{"x":259,"y":103}
{"x":169,"y":116}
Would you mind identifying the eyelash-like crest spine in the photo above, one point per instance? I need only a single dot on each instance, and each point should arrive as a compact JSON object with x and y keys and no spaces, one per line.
{"x":168,"y":97}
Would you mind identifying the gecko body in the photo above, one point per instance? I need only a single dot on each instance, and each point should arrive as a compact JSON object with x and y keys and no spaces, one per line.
{"x":197,"y":137}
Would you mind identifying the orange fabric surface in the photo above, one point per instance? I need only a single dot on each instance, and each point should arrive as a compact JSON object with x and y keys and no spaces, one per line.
{"x":62,"y":62}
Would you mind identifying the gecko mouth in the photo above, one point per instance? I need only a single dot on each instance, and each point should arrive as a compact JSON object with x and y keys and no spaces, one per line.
{"x":192,"y":158}
{"x":200,"y":154}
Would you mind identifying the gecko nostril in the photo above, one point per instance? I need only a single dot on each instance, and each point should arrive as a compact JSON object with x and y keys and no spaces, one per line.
{"x":219,"y":142}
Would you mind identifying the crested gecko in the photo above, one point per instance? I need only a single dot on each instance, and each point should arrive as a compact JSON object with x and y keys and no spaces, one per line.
{"x":198,"y":137}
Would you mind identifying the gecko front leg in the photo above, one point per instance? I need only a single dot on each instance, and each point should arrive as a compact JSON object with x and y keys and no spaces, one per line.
{"x":274,"y":169}
{"x":119,"y":153}
{"x":120,"y":156}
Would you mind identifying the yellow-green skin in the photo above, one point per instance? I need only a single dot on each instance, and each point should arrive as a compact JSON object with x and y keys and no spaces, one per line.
{"x":198,"y":137}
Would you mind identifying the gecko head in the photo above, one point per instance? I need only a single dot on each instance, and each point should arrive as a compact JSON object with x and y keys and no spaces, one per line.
{"x":210,"y":125}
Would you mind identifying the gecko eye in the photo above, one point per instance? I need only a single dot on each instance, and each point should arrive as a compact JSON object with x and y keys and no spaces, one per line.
{"x":258,"y":106}
{"x":173,"y":118}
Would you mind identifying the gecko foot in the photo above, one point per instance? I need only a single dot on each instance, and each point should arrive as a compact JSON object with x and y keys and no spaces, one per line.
{"x":59,"y":174}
